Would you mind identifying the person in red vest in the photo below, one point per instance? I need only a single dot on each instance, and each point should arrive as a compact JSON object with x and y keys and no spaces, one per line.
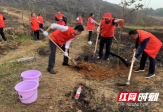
{"x":107,"y":32}
{"x":149,"y":47}
{"x":80,"y":20}
{"x":91,"y":26}
{"x":63,"y":37}
{"x":2,"y":25}
{"x":40,"y":19}
{"x":59,"y":18}
{"x":35,"y":26}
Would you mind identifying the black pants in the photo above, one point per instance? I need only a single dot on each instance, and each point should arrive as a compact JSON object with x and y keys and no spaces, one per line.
{"x":52,"y":55}
{"x":90,"y":35}
{"x":2,"y":34}
{"x":41,"y":26}
{"x":152,"y":63}
{"x":36,"y":34}
{"x":108,"y":42}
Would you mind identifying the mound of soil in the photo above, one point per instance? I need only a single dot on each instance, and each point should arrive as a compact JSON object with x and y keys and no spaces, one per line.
{"x":96,"y":72}
{"x":87,"y":102}
{"x":9,"y":46}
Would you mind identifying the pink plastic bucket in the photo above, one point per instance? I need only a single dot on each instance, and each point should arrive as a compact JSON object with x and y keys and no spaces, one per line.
{"x":27,"y":91}
{"x":31,"y":75}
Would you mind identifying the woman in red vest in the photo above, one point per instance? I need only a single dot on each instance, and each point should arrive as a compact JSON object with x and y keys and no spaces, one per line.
{"x":80,"y":20}
{"x":40,"y":19}
{"x":59,"y":18}
{"x":107,"y":32}
{"x":91,"y":26}
{"x":34,"y":26}
{"x":149,"y":47}
{"x":2,"y":25}
{"x":63,"y":37}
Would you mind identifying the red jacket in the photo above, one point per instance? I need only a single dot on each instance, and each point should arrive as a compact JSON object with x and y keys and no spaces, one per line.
{"x":90,"y":26}
{"x":40,"y":18}
{"x":34,"y":24}
{"x":60,"y":22}
{"x":2,"y":24}
{"x":153,"y":45}
{"x":80,"y":20}
{"x":61,"y":37}
{"x":107,"y":28}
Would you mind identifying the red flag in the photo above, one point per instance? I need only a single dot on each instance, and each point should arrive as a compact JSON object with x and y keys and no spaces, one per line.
{"x":121,"y":25}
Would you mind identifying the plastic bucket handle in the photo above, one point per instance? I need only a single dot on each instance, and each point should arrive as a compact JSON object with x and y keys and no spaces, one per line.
{"x":21,"y":97}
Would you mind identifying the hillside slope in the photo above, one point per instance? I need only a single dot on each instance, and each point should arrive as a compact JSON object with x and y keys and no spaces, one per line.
{"x":71,"y":8}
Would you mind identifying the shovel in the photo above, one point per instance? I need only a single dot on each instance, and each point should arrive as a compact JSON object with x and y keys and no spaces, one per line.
{"x":61,"y":49}
{"x":115,"y":38}
{"x":95,"y":46}
{"x":128,"y":81}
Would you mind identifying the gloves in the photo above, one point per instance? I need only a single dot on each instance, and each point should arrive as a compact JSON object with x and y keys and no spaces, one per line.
{"x":66,"y":54}
{"x":45,"y":33}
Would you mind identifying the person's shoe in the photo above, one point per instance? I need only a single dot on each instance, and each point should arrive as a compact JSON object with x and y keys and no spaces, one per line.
{"x":90,"y":42}
{"x":149,"y":75}
{"x":36,"y":41}
{"x":66,"y":64}
{"x":98,"y":57}
{"x":39,"y":41}
{"x":107,"y":59}
{"x":51,"y":71}
{"x":138,"y":70}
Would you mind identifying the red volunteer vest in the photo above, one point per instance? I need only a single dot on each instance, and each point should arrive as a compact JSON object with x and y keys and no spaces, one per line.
{"x":60,"y":22}
{"x":153,"y":45}
{"x":2,"y":24}
{"x":80,"y":20}
{"x":90,"y":26}
{"x":40,"y":18}
{"x":61,"y":37}
{"x":35,"y":24}
{"x":107,"y":28}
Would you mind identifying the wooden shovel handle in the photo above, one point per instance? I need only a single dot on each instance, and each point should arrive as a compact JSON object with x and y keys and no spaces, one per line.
{"x":96,"y":43}
{"x":55,"y":44}
{"x":132,"y":63}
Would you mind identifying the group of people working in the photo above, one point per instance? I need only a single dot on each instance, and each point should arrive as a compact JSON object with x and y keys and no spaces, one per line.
{"x":149,"y":44}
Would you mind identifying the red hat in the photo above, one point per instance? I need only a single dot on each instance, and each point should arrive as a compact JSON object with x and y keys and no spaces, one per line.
{"x":107,"y":15}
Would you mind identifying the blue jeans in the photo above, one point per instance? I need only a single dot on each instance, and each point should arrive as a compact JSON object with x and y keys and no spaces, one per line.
{"x":41,"y":26}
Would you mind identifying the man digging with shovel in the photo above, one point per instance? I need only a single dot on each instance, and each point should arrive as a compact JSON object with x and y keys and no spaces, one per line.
{"x":149,"y":46}
{"x":62,"y":37}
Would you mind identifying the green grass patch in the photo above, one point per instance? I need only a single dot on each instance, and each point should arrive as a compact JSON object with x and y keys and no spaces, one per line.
{"x":23,"y":38}
{"x":142,"y":27}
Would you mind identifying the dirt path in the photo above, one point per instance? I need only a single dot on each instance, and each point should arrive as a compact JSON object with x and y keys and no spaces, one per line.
{"x":12,"y":11}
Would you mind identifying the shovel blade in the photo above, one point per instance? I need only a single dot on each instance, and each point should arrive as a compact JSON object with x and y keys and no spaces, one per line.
{"x":74,"y":62}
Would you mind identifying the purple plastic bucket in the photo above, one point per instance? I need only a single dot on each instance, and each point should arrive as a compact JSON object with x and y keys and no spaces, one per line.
{"x":31,"y":75}
{"x":27,"y":91}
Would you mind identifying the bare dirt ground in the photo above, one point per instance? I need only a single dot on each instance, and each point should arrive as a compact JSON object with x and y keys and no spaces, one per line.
{"x":56,"y":92}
